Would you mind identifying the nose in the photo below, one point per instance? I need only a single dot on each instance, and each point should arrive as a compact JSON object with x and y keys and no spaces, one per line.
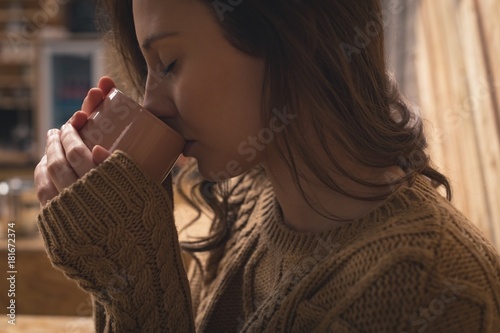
{"x":157,"y":100}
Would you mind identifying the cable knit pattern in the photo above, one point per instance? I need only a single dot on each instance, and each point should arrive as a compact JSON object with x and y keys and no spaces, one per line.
{"x":113,"y":233}
{"x":413,"y":264}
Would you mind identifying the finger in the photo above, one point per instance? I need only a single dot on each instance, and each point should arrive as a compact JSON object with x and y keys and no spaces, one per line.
{"x":59,"y":170}
{"x":45,"y":189}
{"x":77,"y":153}
{"x":99,"y":154}
{"x":79,"y":120}
{"x":93,"y":99}
{"x":106,"y":84}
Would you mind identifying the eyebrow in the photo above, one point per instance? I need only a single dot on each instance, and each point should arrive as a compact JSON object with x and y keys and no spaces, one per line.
{"x":157,"y":36}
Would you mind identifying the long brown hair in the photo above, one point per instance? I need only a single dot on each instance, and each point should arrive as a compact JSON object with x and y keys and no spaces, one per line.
{"x":325,"y":62}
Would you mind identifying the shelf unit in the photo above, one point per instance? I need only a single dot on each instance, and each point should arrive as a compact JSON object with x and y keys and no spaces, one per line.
{"x":21,"y":23}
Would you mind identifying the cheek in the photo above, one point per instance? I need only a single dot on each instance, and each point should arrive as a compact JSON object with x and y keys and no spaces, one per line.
{"x":221,"y":107}
{"x":199,"y":102}
{"x":221,"y":86}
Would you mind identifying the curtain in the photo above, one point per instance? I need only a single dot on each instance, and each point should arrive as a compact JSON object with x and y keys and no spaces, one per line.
{"x":443,"y":54}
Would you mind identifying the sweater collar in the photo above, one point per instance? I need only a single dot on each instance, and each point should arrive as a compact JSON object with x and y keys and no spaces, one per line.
{"x":282,"y":238}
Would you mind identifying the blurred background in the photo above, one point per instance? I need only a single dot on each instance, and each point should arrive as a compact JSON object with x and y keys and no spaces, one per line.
{"x":443,"y":54}
{"x":445,"y":57}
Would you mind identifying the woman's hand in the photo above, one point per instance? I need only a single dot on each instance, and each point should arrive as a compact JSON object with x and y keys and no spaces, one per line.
{"x":66,"y":157}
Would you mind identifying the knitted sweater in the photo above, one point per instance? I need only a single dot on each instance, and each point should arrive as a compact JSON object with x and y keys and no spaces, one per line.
{"x":413,"y":264}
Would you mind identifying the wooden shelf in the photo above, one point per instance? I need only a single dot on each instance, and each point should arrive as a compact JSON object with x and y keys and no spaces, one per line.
{"x":20,"y":70}
{"x":15,"y":62}
{"x":14,"y":157}
{"x":11,"y":104}
{"x":6,"y":14}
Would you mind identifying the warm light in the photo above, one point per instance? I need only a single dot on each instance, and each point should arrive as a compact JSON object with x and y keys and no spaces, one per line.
{"x":4,"y":188}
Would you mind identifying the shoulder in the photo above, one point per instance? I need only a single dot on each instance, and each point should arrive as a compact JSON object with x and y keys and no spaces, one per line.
{"x":424,"y":266}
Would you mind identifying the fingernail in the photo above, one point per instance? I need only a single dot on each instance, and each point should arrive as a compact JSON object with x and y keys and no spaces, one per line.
{"x":51,"y":132}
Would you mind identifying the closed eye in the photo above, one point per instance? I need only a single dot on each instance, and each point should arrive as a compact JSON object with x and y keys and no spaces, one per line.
{"x":169,"y":68}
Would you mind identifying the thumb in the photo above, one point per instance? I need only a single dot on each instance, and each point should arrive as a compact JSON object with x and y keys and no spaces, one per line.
{"x":99,"y":154}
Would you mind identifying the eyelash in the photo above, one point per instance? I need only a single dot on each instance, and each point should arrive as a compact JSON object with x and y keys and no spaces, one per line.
{"x":168,"y":68}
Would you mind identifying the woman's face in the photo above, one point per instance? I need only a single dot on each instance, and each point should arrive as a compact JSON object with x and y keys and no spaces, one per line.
{"x":211,"y":94}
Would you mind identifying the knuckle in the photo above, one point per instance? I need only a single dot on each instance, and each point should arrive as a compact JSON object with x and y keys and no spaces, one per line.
{"x":38,"y":169}
{"x":51,"y":142}
{"x":37,"y":178}
{"x":40,"y":194}
{"x":64,"y":134}
{"x":56,"y":167}
{"x":45,"y":190}
{"x":45,"y":193}
{"x":75,"y":153}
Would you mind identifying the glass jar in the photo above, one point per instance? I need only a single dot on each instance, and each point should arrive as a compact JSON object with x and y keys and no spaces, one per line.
{"x":19,"y":205}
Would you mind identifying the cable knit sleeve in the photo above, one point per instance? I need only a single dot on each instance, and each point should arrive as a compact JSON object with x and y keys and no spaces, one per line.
{"x":113,"y":233}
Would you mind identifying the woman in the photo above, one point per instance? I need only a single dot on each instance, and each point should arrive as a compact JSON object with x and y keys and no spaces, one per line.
{"x":325,"y":213}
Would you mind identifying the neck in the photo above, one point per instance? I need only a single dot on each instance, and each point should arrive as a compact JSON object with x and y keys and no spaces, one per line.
{"x":300,"y":216}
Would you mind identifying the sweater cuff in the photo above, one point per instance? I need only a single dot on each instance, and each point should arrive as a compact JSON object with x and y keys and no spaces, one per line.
{"x":113,"y":232}
{"x":117,"y":188}
{"x":101,"y":216}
